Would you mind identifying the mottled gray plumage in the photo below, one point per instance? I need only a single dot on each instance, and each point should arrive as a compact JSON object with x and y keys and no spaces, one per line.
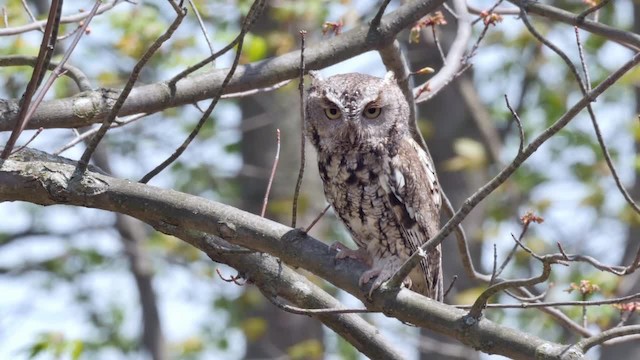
{"x":381,"y":184}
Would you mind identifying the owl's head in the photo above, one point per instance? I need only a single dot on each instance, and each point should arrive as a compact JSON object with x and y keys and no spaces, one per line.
{"x":355,"y":111}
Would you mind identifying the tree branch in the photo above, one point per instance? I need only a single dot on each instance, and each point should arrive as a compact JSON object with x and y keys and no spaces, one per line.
{"x":93,"y":106}
{"x":45,"y":179}
{"x":625,"y":38}
{"x":276,"y":279}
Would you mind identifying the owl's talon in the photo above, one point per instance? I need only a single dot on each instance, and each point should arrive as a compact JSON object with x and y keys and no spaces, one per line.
{"x":382,"y":271}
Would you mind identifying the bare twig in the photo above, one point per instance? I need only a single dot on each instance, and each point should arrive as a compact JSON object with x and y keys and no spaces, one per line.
{"x":625,"y":38}
{"x":133,"y":77}
{"x":481,"y":302}
{"x":28,"y":142}
{"x":484,"y":13}
{"x":525,"y":227}
{"x":438,"y":46}
{"x":501,"y":177}
{"x":527,"y":305}
{"x":254,"y":12}
{"x":296,"y":193}
{"x":300,"y":311}
{"x":453,"y":62}
{"x":273,"y":174}
{"x":313,"y":223}
{"x":5,"y":17}
{"x":233,"y":278}
{"x":495,"y":264}
{"x":31,"y":16}
{"x":376,"y":20}
{"x":585,"y":69}
{"x":70,"y":71}
{"x":502,"y":11}
{"x":528,"y":299}
{"x":44,"y":57}
{"x":202,"y":27}
{"x":255,"y":91}
{"x":81,"y":137}
{"x":63,"y":20}
{"x":591,"y":10}
{"x":614,"y":333}
{"x":453,"y":281}
{"x":518,"y":122}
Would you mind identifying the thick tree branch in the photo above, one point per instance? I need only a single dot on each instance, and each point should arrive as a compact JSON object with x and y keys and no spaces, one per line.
{"x":44,"y":179}
{"x":93,"y":106}
{"x":276,"y":279}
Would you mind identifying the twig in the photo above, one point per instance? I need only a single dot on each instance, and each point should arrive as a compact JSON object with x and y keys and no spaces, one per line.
{"x":453,"y":281}
{"x":437,"y":42}
{"x":528,"y":299}
{"x":501,"y":177}
{"x":44,"y":57}
{"x":617,"y":332}
{"x":273,"y":174}
{"x":255,"y":91}
{"x":449,"y":9}
{"x":453,"y":66}
{"x":495,"y":264}
{"x":296,"y":193}
{"x":202,"y":27}
{"x":376,"y":20}
{"x":580,"y":18}
{"x":234,"y":279}
{"x":133,"y":77}
{"x":518,"y":122}
{"x":481,"y":302}
{"x":317,"y":219}
{"x":5,"y":17}
{"x":502,"y":11}
{"x":526,"y":305}
{"x":63,"y":20}
{"x":301,"y":311}
{"x":70,"y":71}
{"x":256,"y":9}
{"x":28,"y":142}
{"x":625,"y":38}
{"x":506,"y":261}
{"x":31,"y":16}
{"x":86,"y":134}
{"x":485,"y":12}
{"x":585,"y":69}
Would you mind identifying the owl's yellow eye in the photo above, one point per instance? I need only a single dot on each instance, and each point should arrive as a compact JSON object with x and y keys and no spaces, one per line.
{"x":372,"y":112}
{"x":332,"y":112}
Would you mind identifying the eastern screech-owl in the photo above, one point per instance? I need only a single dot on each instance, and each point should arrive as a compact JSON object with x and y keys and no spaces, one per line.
{"x":381,"y":184}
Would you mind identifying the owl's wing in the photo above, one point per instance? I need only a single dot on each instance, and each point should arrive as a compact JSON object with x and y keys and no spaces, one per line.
{"x":415,"y":196}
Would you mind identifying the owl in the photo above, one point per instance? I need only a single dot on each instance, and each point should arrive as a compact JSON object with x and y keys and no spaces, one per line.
{"x":380,"y":182}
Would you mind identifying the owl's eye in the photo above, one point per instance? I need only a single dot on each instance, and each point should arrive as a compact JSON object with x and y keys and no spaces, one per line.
{"x":372,"y":112}
{"x":332,"y":112}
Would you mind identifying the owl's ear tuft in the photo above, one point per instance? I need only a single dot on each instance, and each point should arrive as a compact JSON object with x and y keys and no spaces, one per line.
{"x":390,"y":77}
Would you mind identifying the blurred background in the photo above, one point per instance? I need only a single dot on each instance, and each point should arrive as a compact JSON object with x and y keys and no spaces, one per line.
{"x":83,"y":283}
